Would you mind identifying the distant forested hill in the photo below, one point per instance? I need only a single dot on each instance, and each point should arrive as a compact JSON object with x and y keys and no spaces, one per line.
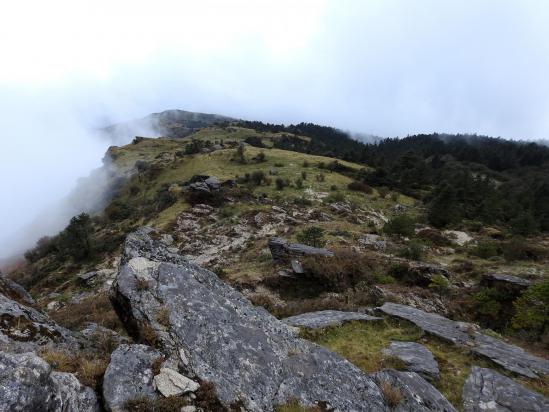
{"x":480,"y":178}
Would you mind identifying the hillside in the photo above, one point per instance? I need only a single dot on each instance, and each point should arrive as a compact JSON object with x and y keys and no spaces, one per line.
{"x":436,"y":243}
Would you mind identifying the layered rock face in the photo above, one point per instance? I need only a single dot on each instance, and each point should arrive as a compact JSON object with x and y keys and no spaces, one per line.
{"x":218,"y":336}
{"x":327,"y":318}
{"x":27,"y":383}
{"x":284,"y":252}
{"x":508,"y":356}
{"x":488,"y":391}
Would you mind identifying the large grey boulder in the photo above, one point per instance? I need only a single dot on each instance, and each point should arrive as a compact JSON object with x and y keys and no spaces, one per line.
{"x":220,"y":337}
{"x":27,"y":383}
{"x":409,"y":392}
{"x":284,"y":252}
{"x":23,"y":328}
{"x":416,"y":357}
{"x":326,"y":318}
{"x":129,"y":375}
{"x":464,"y":334}
{"x":487,"y":391}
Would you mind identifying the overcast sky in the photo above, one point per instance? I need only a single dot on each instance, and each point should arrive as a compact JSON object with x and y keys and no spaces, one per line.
{"x":384,"y":67}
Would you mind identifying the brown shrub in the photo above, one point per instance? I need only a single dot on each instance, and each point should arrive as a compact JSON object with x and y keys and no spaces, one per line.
{"x":433,"y":236}
{"x":394,"y":362}
{"x":156,"y":365}
{"x":142,"y":284}
{"x":144,"y":404}
{"x":148,"y":334}
{"x":206,"y":398}
{"x":86,"y":367}
{"x":97,"y":309}
{"x":392,"y":395}
{"x":342,"y":271}
{"x":163,"y":316}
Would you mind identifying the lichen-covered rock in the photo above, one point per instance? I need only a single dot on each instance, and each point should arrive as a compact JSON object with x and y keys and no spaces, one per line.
{"x":508,"y":356}
{"x":220,"y":337}
{"x":325,"y":318}
{"x":15,"y":291}
{"x":129,"y":375}
{"x":23,"y":328}
{"x":416,"y":357}
{"x":487,"y":391}
{"x":27,"y":383}
{"x":411,"y":393}
{"x":284,"y":252}
{"x":71,"y":395}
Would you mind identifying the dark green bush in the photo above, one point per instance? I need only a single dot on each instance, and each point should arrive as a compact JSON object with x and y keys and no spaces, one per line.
{"x":312,"y":236}
{"x":532,"y":311}
{"x":485,"y":250}
{"x":400,"y":225}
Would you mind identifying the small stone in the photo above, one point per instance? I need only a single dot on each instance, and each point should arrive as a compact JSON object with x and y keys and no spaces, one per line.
{"x":53,"y":305}
{"x":171,"y":383}
{"x":188,"y":408}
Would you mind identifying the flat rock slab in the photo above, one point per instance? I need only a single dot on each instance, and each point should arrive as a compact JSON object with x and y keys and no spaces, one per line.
{"x":27,"y":383}
{"x":171,"y":383}
{"x":282,"y":251}
{"x":416,"y":394}
{"x":129,"y":376}
{"x":416,"y":357}
{"x":326,"y":318}
{"x":508,"y":356}
{"x":220,"y":337}
{"x":487,"y":391}
{"x":493,"y":279}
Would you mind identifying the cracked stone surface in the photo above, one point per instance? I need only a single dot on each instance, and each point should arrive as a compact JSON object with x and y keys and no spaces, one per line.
{"x":27,"y":383}
{"x":24,"y":329}
{"x":129,"y":375}
{"x":416,"y":357}
{"x":325,"y":318}
{"x":417,"y":395}
{"x":508,"y":356}
{"x":487,"y":391}
{"x":248,"y":354}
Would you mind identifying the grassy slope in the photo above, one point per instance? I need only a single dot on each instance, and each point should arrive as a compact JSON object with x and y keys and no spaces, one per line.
{"x":361,"y":343}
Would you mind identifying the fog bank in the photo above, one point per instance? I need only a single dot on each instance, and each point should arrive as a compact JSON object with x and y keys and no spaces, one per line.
{"x":386,"y":68}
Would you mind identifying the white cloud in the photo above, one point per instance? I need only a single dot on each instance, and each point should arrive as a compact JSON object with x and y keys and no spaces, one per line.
{"x":389,"y":67}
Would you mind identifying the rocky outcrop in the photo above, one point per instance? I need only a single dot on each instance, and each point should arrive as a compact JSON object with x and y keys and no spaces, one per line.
{"x":487,"y":391}
{"x":219,"y":337}
{"x":416,"y":357}
{"x":326,"y":318}
{"x":23,"y":328}
{"x":15,"y":291}
{"x":284,"y":252}
{"x":204,"y":184}
{"x":418,"y":273}
{"x":409,"y":392}
{"x":508,"y":356}
{"x":129,"y":375}
{"x":27,"y":383}
{"x":500,"y":280}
